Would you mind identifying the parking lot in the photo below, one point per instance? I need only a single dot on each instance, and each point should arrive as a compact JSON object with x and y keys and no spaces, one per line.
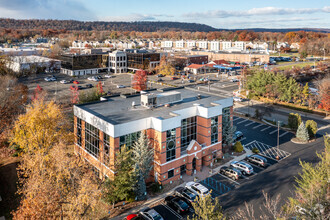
{"x":255,"y":131}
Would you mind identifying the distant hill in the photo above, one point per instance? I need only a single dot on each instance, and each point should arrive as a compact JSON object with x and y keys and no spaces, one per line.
{"x":143,"y":26}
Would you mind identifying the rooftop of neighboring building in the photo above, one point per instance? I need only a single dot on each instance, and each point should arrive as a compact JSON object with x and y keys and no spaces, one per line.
{"x":118,"y":109}
{"x":31,"y":59}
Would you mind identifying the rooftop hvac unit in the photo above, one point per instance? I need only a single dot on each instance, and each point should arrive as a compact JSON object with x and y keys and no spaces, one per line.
{"x":154,"y":100}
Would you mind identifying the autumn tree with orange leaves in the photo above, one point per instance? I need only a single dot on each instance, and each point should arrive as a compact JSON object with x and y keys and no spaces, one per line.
{"x":324,"y":92}
{"x":140,"y":80}
{"x":54,"y":182}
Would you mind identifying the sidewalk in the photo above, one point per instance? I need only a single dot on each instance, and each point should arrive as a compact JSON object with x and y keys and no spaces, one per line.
{"x":200,"y":176}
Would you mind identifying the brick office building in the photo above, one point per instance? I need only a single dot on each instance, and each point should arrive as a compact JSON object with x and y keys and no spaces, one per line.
{"x":183,"y":125}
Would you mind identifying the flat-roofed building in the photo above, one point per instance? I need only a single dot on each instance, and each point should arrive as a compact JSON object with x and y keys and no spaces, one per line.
{"x":183,"y":125}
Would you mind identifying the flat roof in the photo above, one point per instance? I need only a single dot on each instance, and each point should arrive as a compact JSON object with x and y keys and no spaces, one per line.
{"x":118,"y":110}
{"x":31,"y":59}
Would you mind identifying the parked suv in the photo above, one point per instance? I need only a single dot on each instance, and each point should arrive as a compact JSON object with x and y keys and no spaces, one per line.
{"x":150,"y":214}
{"x":177,"y":203}
{"x":232,"y":173}
{"x":186,"y":194}
{"x":243,"y":167}
{"x":197,"y":188}
{"x":257,"y":160}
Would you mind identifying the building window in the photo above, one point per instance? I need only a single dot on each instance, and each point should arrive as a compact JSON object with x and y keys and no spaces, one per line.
{"x":183,"y":169}
{"x":188,"y":132}
{"x":170,"y":174}
{"x":170,"y":144}
{"x":92,"y":140}
{"x":79,"y":131}
{"x":106,"y":144}
{"x":129,"y":139}
{"x":214,"y":130}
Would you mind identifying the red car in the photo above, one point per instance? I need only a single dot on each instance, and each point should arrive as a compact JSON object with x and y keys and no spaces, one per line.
{"x":174,"y":78}
{"x":132,"y":217}
{"x":75,"y":82}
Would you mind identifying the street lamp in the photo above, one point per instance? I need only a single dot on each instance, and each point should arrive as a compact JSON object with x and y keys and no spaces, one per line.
{"x":278,"y":139}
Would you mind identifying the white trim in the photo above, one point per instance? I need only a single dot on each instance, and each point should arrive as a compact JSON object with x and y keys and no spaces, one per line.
{"x":186,"y":155}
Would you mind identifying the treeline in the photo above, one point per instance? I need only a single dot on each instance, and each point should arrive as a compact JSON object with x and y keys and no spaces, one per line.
{"x":144,"y":26}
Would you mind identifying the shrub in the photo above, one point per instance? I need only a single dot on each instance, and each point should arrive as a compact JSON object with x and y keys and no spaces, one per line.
{"x":311,"y":128}
{"x":238,"y":147}
{"x":255,"y":150}
{"x":156,"y":187}
{"x":294,"y":120}
{"x":302,"y":133}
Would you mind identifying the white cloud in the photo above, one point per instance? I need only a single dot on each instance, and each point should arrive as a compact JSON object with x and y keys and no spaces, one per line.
{"x":136,"y":17}
{"x":257,"y":12}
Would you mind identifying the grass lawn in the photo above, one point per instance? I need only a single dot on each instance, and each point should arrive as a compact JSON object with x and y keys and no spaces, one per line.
{"x":291,"y":64}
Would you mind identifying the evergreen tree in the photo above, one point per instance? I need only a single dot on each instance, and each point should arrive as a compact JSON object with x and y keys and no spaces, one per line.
{"x":207,"y":209}
{"x":312,"y":190}
{"x":302,"y":133}
{"x":294,"y":120}
{"x":122,"y":187}
{"x":143,"y":156}
{"x":311,"y":128}
{"x":306,"y":92}
{"x":140,"y":186}
{"x":228,"y":133}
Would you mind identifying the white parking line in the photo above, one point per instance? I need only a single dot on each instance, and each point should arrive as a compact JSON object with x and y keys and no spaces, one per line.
{"x":228,"y":178}
{"x":257,"y":126}
{"x":171,"y":210}
{"x":243,"y":121}
{"x":266,"y":128}
{"x":272,"y":132}
{"x":284,"y":134}
{"x":236,"y":119}
{"x":249,"y":124}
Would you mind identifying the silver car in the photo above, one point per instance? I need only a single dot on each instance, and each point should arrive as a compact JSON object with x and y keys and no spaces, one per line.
{"x":242,"y":166}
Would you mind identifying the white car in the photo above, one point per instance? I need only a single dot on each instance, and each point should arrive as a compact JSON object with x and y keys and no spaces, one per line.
{"x":242,"y":166}
{"x":197,"y":188}
{"x":120,"y":86}
{"x":48,"y":79}
{"x":64,"y":81}
{"x":237,"y":99}
{"x":234,"y":80}
{"x":108,"y":76}
{"x":150,"y":214}
{"x":93,"y":78}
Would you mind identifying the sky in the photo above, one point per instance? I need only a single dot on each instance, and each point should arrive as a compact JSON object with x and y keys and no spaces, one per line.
{"x":216,"y":13}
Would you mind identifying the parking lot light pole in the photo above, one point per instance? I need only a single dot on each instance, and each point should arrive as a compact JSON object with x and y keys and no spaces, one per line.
{"x":278,"y":139}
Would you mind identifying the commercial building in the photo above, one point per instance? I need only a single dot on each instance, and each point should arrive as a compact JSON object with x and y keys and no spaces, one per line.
{"x":118,"y":62}
{"x":36,"y":64}
{"x":142,"y":59}
{"x":83,"y":64}
{"x":183,"y":125}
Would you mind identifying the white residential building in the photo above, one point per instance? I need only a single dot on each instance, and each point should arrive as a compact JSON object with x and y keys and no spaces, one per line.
{"x":225,"y":45}
{"x":179,"y":44}
{"x":239,"y":45}
{"x":214,"y":45}
{"x":118,"y":61}
{"x":191,"y":44}
{"x":167,"y":44}
{"x":202,"y":45}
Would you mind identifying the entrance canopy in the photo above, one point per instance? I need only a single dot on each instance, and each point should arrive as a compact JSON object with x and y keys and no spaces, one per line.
{"x":227,"y":67}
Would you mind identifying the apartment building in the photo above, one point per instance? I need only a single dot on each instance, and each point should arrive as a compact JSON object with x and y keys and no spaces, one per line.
{"x":184,"y":127}
{"x":214,"y":45}
{"x":180,"y":44}
{"x":202,"y":45}
{"x":225,"y":45}
{"x":118,"y":62}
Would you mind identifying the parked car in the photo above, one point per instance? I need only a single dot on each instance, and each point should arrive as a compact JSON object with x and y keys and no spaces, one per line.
{"x":186,"y":194}
{"x":191,"y":81}
{"x":238,"y":136}
{"x":71,"y":80}
{"x":242,"y":166}
{"x":133,"y":217}
{"x":99,"y":77}
{"x":75,"y":82}
{"x":108,"y":76}
{"x":150,"y":214}
{"x":197,"y":188}
{"x":160,"y":75}
{"x":177,"y":204}
{"x":49,"y":79}
{"x":120,"y":86}
{"x":257,"y":160}
{"x":160,"y":80}
{"x":234,"y":80}
{"x":64,"y":81}
{"x":232,"y":173}
{"x":237,"y":99}
{"x":89,"y":86}
{"x":174,"y":78}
